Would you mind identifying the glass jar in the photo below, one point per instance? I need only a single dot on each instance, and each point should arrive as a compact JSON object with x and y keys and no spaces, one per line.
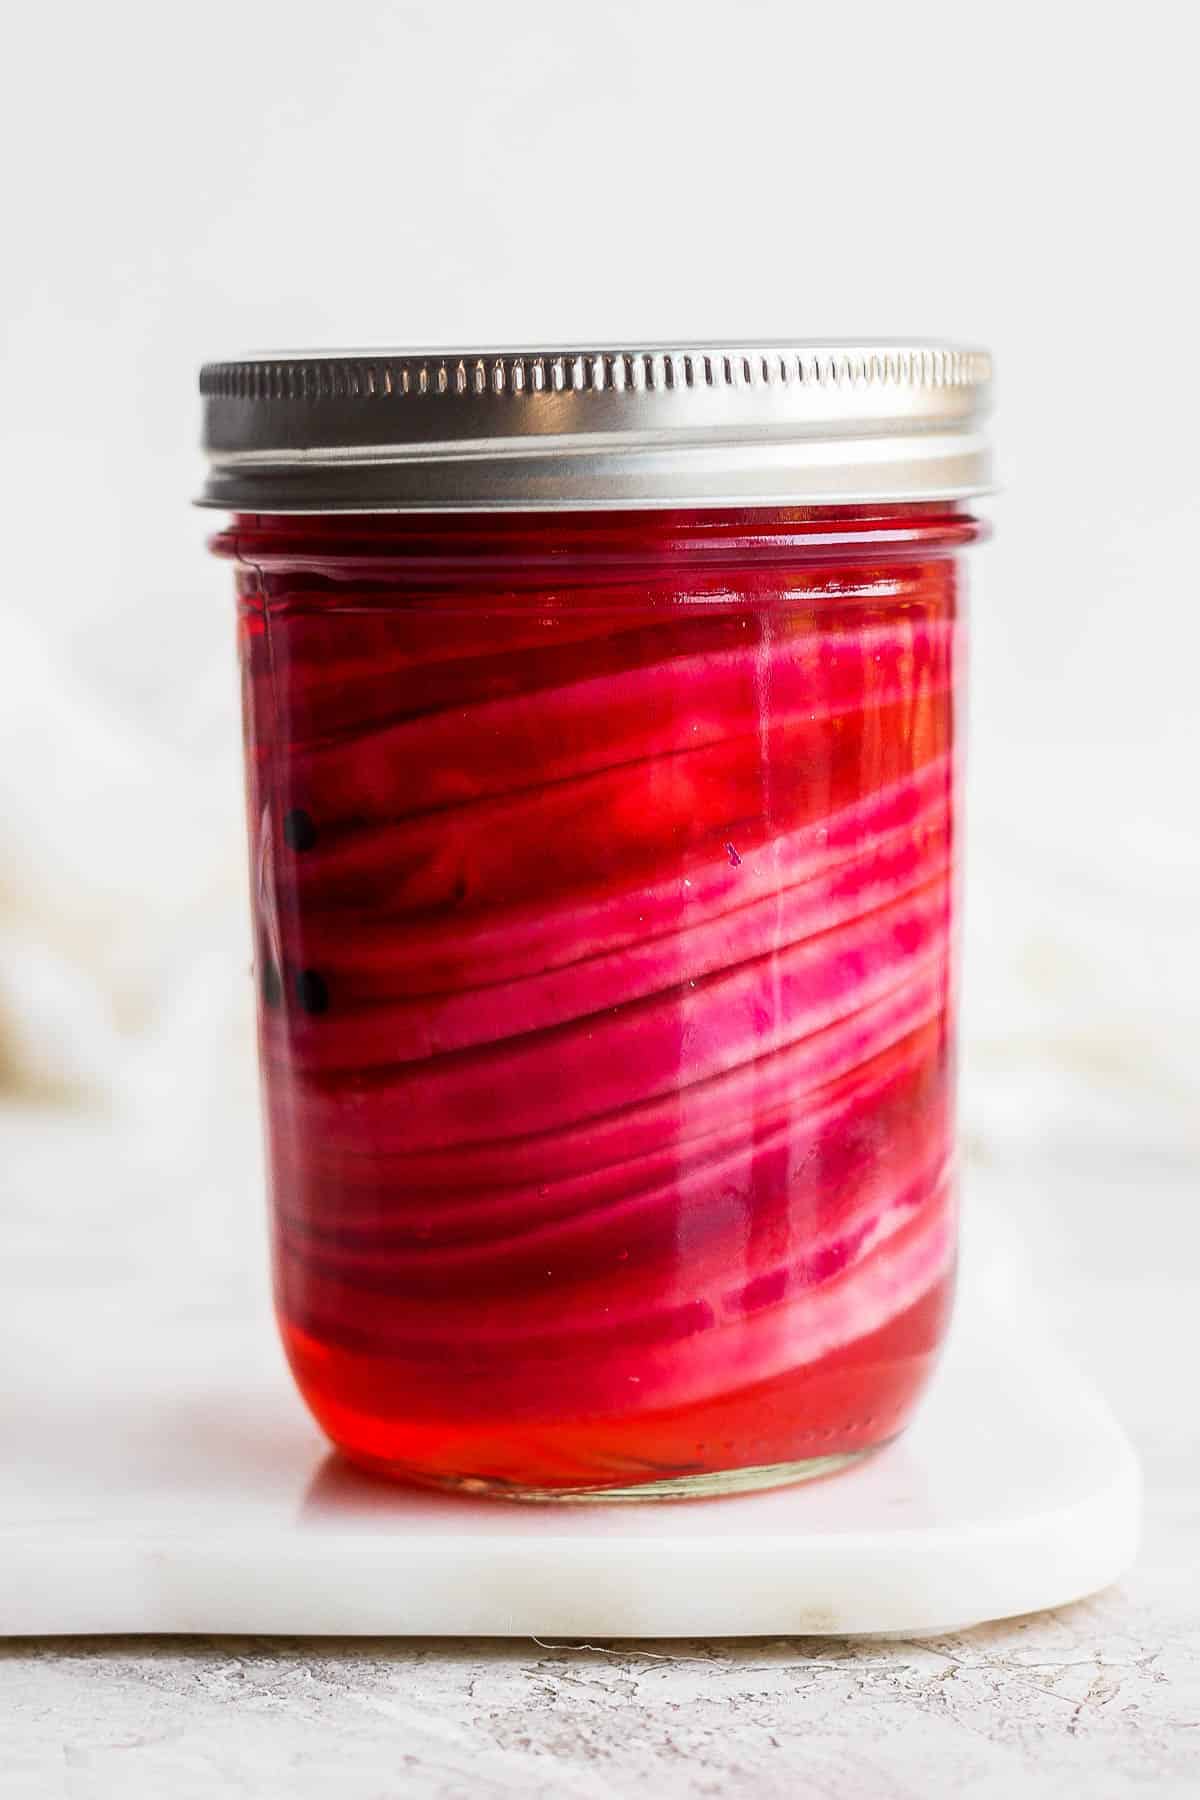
{"x":601,"y":719}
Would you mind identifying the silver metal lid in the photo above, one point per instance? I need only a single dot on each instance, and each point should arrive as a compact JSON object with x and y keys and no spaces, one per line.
{"x":655,"y":426}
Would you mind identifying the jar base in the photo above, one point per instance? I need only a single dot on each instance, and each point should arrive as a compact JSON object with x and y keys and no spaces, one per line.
{"x":711,"y":1485}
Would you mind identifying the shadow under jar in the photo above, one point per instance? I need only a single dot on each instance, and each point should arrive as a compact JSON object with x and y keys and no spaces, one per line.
{"x":601,"y":717}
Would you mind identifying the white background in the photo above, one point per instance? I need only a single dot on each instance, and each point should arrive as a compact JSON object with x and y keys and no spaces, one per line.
{"x":188,"y":184}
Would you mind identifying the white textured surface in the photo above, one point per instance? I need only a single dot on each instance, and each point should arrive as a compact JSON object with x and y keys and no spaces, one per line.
{"x":1049,"y":1710}
{"x":186,"y":1490}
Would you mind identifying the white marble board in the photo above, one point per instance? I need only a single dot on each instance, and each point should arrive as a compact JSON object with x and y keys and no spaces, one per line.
{"x":159,"y":1475}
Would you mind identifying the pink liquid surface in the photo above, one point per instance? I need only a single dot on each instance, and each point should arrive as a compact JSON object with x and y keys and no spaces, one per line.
{"x":604,"y":878}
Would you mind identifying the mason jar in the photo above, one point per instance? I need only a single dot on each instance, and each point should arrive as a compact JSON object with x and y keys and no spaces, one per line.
{"x":602,"y":741}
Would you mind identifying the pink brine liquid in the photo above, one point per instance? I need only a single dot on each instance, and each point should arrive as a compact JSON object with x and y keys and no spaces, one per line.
{"x":604,"y":874}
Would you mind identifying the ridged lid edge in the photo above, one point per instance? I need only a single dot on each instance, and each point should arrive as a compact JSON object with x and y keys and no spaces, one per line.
{"x":651,"y":425}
